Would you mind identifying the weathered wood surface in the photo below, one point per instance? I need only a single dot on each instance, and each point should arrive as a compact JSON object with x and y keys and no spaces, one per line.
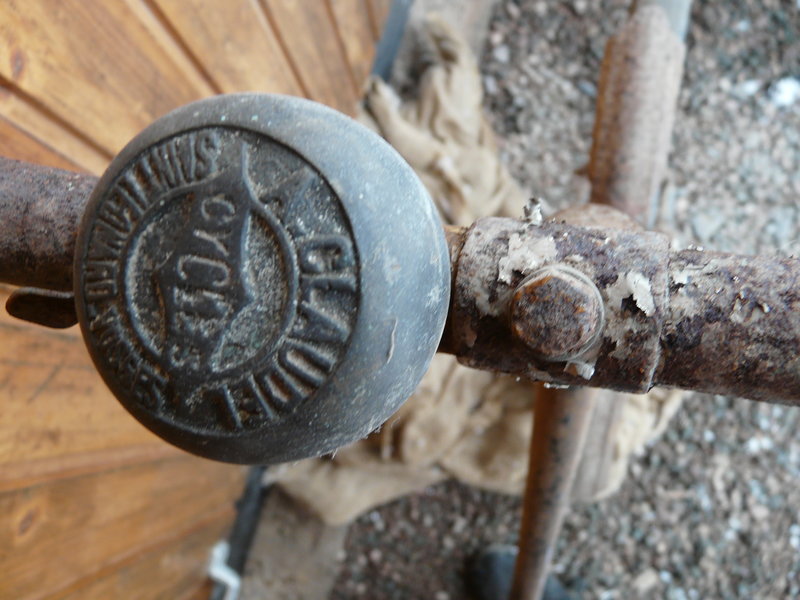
{"x":60,"y":536}
{"x":58,"y":418}
{"x":94,"y":505}
{"x":82,"y":77}
{"x":175,"y":571}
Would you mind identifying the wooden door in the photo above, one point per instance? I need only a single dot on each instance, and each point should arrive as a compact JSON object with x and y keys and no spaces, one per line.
{"x":91,"y":504}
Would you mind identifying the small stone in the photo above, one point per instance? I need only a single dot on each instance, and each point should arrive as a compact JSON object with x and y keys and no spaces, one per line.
{"x":490,"y":85}
{"x":587,"y":87}
{"x":645,"y":581}
{"x":746,"y":89}
{"x":784,"y":92}
{"x":513,"y":10}
{"x":502,"y":53}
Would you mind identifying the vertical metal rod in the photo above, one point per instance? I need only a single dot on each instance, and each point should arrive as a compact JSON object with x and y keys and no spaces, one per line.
{"x":639,"y":84}
{"x":560,"y":423}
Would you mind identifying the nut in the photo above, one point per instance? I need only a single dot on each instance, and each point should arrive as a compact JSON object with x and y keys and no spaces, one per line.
{"x":557,"y":312}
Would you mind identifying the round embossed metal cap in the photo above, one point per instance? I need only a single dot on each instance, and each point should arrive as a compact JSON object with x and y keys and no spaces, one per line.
{"x":260,"y":279}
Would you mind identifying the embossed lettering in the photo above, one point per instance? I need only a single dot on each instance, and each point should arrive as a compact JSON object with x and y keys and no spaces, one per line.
{"x":180,"y":161}
{"x":325,"y":253}
{"x":100,"y":279}
{"x":131,"y":190}
{"x":292,"y":361}
{"x":289,"y":389}
{"x":201,"y":304}
{"x":217,"y":210}
{"x":320,"y":325}
{"x":149,"y":387}
{"x":207,"y":273}
{"x":313,"y":354}
{"x":240,"y":307}
{"x":207,"y":152}
{"x":115,"y":350}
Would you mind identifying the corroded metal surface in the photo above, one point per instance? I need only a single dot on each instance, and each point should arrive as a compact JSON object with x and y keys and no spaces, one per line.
{"x":194,"y":264}
{"x":698,"y":320}
{"x":561,"y":420}
{"x":557,"y":312}
{"x":636,"y":104}
{"x":40,"y":208}
{"x":628,"y":268}
{"x":732,"y":326}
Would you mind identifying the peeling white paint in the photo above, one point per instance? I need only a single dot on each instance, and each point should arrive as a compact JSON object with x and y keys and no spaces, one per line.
{"x":632,"y":284}
{"x":642,"y":293}
{"x":538,"y":375}
{"x":524,"y":256}
{"x":744,"y":313}
{"x":583,"y":364}
{"x":681,"y":277}
{"x":482,"y":302}
{"x":582,"y":369}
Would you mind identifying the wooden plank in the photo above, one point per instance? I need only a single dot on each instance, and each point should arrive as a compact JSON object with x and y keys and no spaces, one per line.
{"x":63,"y":535}
{"x":94,"y":65}
{"x":34,"y":472}
{"x":309,"y":36}
{"x":174,"y":571}
{"x":59,"y":420}
{"x":355,"y":31}
{"x":164,"y":34}
{"x":58,"y":417}
{"x":203,"y":592}
{"x":234,"y":42}
{"x":20,"y":145}
{"x":42,"y":125}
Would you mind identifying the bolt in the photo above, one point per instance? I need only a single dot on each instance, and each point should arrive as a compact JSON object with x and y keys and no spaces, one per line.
{"x":557,"y":312}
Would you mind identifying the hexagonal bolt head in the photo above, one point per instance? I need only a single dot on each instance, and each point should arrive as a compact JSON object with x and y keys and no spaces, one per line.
{"x":557,"y":312}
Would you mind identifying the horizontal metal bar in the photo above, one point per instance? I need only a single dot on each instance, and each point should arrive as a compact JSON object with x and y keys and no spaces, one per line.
{"x":698,"y":320}
{"x":40,"y":209}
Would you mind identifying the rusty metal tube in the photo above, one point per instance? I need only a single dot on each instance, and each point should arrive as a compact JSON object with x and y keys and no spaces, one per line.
{"x":637,"y":96}
{"x":561,"y":419}
{"x":732,"y":326}
{"x":698,"y":320}
{"x":40,"y":208}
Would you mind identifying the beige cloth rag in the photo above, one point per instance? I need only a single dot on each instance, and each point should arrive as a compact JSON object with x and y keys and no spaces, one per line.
{"x":460,"y":423}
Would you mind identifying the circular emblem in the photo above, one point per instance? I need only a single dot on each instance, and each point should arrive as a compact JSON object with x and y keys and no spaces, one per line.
{"x":219,"y":280}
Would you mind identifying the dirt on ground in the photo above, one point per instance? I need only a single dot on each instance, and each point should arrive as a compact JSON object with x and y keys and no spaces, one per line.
{"x":712,"y":510}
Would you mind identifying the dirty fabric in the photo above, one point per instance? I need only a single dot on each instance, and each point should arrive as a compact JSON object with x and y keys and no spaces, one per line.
{"x":461,"y":423}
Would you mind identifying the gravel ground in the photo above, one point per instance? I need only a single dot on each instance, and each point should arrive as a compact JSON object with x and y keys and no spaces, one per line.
{"x":712,"y":510}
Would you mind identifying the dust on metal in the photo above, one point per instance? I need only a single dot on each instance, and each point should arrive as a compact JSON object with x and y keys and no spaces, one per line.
{"x":40,"y":209}
{"x":213,"y":272}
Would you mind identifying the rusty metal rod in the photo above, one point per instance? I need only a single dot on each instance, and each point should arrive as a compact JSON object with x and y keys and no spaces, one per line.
{"x":637,"y":99}
{"x":636,"y":103}
{"x":40,"y":208}
{"x":560,"y":423}
{"x":706,"y":321}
